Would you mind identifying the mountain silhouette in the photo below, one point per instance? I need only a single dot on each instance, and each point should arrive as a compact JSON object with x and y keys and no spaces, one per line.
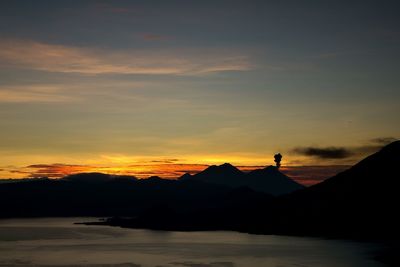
{"x":225,"y":174}
{"x":268,"y":180}
{"x":185,"y":176}
{"x":271,"y":180}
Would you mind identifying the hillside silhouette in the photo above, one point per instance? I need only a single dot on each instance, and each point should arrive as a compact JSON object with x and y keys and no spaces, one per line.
{"x":361,"y":201}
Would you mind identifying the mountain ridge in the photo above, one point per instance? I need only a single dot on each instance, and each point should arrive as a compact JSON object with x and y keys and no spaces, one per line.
{"x":268,"y":180}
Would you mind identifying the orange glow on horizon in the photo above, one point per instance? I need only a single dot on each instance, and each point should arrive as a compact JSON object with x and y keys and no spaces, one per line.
{"x":167,"y":169}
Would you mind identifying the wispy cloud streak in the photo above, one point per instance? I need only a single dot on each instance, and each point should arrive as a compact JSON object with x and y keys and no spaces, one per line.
{"x":93,"y":61}
{"x":25,"y":94}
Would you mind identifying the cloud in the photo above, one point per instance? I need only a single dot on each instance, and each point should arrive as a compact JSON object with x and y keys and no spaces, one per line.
{"x":373,"y":145}
{"x":37,"y":93}
{"x":154,"y":37}
{"x":202,"y":264}
{"x":324,"y":153}
{"x":383,"y":140}
{"x":165,"y":161}
{"x":90,"y":61}
{"x":141,"y":170}
{"x":56,"y":170}
{"x":351,"y":153}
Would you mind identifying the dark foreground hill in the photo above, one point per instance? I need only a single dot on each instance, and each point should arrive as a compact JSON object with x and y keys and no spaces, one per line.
{"x":359,"y":202}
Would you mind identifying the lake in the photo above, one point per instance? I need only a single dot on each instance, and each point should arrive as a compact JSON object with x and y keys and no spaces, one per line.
{"x":58,"y":242}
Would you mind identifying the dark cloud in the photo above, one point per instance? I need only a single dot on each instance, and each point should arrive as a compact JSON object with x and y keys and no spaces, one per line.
{"x":39,"y":166}
{"x":211,"y":264}
{"x":383,"y":140}
{"x":324,"y":152}
{"x":350,"y":153}
{"x":374,"y":145}
{"x":55,"y":170}
{"x":164,"y":161}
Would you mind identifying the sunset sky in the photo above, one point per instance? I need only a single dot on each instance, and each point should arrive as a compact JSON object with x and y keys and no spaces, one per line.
{"x":164,"y":87}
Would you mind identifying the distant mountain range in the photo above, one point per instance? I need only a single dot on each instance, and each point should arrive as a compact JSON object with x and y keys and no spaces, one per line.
{"x":99,"y":194}
{"x":96,"y":194}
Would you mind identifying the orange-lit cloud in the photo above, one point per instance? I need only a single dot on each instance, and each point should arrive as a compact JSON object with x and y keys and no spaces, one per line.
{"x":140,"y":170}
{"x":70,"y":59}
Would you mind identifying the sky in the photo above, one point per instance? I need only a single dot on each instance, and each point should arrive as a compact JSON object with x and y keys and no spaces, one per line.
{"x":165,"y":87}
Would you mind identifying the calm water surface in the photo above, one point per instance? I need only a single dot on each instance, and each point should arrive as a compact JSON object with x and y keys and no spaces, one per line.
{"x":58,"y":242}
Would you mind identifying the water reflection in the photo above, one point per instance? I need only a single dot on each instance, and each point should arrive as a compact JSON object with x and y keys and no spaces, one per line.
{"x":58,"y":242}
